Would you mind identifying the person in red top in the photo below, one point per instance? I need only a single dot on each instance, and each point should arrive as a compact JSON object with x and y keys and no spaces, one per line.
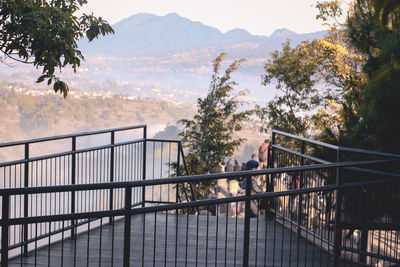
{"x":263,"y":154}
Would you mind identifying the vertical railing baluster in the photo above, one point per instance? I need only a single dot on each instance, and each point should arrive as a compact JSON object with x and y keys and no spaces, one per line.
{"x":300,"y":207}
{"x":338,"y":228}
{"x":178,"y":172}
{"x":26,"y":184}
{"x":127,"y":226}
{"x":270,"y":177}
{"x":4,"y":230}
{"x":73,"y":181}
{"x":144,"y":165}
{"x":247,"y":214}
{"x":111,"y":200}
{"x":273,"y":141}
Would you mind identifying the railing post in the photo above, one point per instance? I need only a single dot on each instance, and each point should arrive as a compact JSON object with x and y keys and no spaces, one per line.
{"x":73,"y":181}
{"x":26,"y":204}
{"x":338,"y":211}
{"x":270,"y":177}
{"x":273,"y":141}
{"x":111,"y":200}
{"x":364,"y":244}
{"x":4,"y":230}
{"x":178,"y":171}
{"x":127,"y":225}
{"x":144,"y":165}
{"x":300,"y":206}
{"x":247,"y":214}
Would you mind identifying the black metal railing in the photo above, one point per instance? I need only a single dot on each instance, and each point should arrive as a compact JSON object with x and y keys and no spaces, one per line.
{"x":126,"y":213}
{"x":364,"y":237}
{"x":164,"y":234}
{"x":114,"y":155}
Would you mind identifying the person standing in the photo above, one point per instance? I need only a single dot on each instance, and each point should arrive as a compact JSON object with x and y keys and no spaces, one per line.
{"x":263,"y":154}
{"x":230,"y":164}
{"x":252,"y":164}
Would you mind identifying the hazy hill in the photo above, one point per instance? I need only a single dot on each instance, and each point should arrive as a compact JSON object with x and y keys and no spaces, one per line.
{"x":166,"y":58}
{"x":151,"y":33}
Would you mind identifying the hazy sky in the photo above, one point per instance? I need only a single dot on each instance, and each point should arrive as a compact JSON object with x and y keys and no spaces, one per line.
{"x":259,"y":17}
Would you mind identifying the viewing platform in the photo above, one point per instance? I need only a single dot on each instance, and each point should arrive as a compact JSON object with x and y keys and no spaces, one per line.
{"x":113,"y":198}
{"x":195,"y":241}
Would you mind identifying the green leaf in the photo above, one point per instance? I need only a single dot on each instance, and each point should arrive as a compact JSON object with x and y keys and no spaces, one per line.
{"x":41,"y":78}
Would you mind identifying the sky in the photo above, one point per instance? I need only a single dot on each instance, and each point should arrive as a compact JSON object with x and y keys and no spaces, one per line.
{"x":259,"y":17}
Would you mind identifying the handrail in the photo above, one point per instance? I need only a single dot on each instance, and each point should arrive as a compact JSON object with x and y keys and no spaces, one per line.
{"x":192,"y":178}
{"x":72,"y":152}
{"x":288,"y":150}
{"x":172,"y":206}
{"x":334,"y":147}
{"x":300,"y":138}
{"x":58,"y":137}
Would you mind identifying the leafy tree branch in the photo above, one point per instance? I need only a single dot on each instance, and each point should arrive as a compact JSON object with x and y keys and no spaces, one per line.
{"x":44,"y":33}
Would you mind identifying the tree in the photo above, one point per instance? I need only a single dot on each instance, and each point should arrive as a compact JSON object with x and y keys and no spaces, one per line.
{"x":375,"y":31}
{"x":209,"y":136}
{"x":44,"y":34}
{"x":320,"y":86}
{"x":293,"y":76}
{"x":354,"y":76}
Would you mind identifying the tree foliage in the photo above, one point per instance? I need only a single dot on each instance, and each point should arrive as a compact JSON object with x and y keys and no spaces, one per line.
{"x":353,"y":74}
{"x":320,"y":86}
{"x":344,"y":88}
{"x":374,"y":29}
{"x":209,"y":136}
{"x":44,"y":34}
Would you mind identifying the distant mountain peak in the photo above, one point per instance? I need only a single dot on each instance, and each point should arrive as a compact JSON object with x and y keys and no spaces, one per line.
{"x":145,"y":32}
{"x":173,"y":14}
{"x":238,"y":34}
{"x":282,"y":33}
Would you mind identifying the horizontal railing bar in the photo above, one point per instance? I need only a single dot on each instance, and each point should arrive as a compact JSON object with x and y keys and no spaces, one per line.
{"x":373,"y":255}
{"x":61,"y":230}
{"x":162,"y":140}
{"x":300,"y":138}
{"x":288,"y":150}
{"x":261,"y":196}
{"x":67,"y":153}
{"x":58,"y":137}
{"x":192,"y":204}
{"x":193,"y":178}
{"x":49,"y":234}
{"x":370,"y":152}
{"x":65,"y":217}
{"x":341,"y":148}
{"x":158,"y":202}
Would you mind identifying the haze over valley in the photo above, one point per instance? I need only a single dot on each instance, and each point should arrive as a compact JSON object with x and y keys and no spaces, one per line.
{"x":164,"y":57}
{"x":152,"y":70}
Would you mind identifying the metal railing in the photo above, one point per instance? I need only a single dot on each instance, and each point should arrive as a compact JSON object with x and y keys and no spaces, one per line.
{"x":117,"y":155}
{"x":359,"y":235}
{"x":137,"y":218}
{"x":164,"y":234}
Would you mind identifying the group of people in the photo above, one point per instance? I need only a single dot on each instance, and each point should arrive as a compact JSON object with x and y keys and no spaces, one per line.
{"x":259,"y":161}
{"x":237,"y":186}
{"x":262,"y":162}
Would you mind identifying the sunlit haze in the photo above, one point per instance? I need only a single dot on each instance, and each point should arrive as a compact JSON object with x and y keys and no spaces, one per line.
{"x":260,"y":17}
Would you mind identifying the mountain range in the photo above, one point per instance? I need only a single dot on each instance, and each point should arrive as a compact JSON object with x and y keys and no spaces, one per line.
{"x":151,"y":33}
{"x":166,"y":57}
